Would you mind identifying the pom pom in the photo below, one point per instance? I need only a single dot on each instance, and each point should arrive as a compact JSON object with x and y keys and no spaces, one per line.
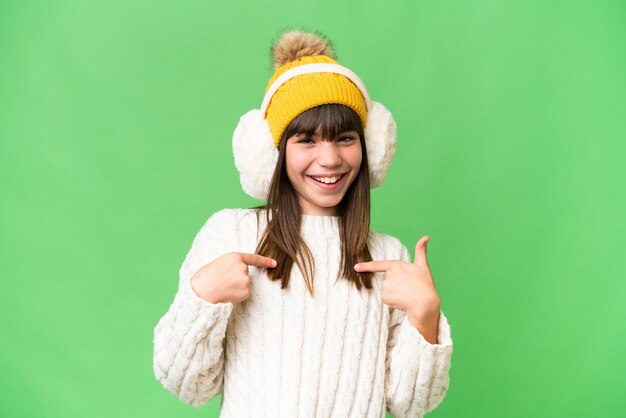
{"x":295,"y":44}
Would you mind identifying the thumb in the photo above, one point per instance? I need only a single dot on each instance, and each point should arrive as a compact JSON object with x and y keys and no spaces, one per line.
{"x":420,"y":251}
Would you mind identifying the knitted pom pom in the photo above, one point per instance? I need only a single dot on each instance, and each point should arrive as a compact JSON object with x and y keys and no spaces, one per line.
{"x":295,"y":44}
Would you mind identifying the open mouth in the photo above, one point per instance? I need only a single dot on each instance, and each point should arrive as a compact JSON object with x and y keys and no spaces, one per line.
{"x":328,"y":182}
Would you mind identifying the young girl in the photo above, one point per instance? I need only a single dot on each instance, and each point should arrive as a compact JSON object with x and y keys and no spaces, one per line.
{"x":296,"y":308}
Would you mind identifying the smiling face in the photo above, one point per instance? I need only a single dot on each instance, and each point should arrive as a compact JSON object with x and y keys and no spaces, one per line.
{"x":321,"y":170}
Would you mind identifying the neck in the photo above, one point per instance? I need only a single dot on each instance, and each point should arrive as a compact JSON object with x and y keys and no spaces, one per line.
{"x":307,"y":209}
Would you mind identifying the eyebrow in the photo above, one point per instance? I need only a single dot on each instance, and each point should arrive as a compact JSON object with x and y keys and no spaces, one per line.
{"x":314,"y":135}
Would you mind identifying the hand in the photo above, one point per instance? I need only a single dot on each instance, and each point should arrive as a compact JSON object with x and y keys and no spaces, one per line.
{"x":226,"y":278}
{"x":408,"y":286}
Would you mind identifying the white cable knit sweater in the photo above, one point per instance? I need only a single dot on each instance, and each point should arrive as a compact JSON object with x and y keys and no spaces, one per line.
{"x":281,"y":353}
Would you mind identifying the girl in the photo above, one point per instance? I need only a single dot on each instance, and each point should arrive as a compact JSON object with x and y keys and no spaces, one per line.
{"x":296,"y":308}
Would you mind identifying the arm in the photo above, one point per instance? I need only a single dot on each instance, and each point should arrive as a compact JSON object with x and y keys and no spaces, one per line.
{"x":189,"y":339}
{"x":417,"y":371}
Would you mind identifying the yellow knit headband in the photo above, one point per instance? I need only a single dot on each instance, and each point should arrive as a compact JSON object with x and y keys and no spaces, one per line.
{"x":308,"y":82}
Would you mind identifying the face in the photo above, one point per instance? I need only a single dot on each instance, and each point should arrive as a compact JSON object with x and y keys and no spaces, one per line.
{"x":321,"y":170}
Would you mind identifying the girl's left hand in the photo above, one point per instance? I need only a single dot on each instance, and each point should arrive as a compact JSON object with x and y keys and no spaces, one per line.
{"x":408,"y":286}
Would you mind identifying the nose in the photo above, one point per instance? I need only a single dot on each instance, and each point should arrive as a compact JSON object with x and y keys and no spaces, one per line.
{"x":329,"y":155}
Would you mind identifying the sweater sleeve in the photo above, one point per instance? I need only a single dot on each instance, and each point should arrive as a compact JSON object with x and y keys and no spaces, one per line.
{"x":417,"y":372}
{"x":189,"y":339}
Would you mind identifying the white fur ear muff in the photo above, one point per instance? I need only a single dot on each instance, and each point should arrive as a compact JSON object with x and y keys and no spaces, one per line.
{"x":255,"y":154}
{"x":380,"y":141}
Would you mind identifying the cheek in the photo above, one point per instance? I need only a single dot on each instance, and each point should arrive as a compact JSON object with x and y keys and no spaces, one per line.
{"x":297,"y":161}
{"x":295,"y":164}
{"x":354,"y":157}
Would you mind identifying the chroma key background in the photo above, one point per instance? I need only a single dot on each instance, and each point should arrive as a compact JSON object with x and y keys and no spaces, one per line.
{"x":116,"y":119}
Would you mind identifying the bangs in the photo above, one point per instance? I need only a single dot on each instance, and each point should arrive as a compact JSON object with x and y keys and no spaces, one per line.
{"x":328,"y":121}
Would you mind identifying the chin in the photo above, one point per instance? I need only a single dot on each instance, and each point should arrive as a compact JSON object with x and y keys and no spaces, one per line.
{"x":328,"y":204}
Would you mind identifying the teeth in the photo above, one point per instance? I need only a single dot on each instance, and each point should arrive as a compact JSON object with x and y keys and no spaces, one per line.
{"x":327,"y":180}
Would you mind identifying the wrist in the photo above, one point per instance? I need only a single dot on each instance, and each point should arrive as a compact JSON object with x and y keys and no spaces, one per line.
{"x":423,"y":318}
{"x":428,"y":327}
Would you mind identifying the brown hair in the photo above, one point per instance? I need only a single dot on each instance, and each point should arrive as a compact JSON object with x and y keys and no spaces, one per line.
{"x":282,"y":241}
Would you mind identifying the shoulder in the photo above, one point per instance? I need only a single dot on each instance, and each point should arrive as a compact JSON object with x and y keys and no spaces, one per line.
{"x":230,"y":219}
{"x":230,"y":214}
{"x":233,"y":226}
{"x":386,"y":247}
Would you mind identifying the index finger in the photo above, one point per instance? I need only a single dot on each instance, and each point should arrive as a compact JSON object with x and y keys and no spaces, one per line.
{"x":374,"y":266}
{"x":258,"y":260}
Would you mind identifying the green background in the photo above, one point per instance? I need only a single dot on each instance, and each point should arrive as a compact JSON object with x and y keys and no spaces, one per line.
{"x":116,"y":119}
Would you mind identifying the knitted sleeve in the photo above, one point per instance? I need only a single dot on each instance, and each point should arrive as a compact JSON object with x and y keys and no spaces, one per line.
{"x":189,"y":339}
{"x":417,"y":372}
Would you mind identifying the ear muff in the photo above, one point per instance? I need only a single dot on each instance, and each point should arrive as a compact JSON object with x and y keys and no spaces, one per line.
{"x":380,"y":141}
{"x":256,"y":155}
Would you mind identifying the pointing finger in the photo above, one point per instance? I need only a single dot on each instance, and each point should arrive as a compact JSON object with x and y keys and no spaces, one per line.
{"x":258,"y":260}
{"x":374,"y":266}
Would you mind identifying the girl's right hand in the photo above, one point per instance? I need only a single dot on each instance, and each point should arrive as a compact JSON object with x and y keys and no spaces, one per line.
{"x":226,"y":278}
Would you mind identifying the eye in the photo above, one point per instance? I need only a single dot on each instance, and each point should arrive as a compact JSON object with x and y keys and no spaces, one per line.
{"x":346,"y":138}
{"x":304,"y":140}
